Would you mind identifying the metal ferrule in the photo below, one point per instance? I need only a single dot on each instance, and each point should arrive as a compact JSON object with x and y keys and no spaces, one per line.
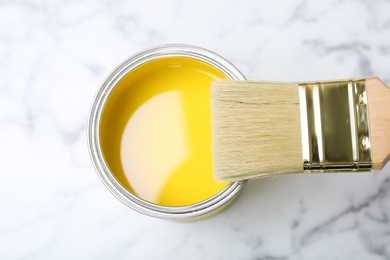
{"x":335,"y":126}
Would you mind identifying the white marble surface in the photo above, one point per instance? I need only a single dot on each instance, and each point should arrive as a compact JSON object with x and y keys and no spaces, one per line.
{"x":55,"y":54}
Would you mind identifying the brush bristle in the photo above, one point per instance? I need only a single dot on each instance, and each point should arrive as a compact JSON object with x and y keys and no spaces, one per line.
{"x":256,"y":129}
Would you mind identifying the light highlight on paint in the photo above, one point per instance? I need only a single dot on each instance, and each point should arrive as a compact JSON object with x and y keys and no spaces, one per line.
{"x":150,"y":132}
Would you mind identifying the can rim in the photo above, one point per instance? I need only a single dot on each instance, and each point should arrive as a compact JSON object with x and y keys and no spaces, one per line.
{"x":93,"y":132}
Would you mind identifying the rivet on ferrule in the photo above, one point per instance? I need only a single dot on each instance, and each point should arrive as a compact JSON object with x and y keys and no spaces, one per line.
{"x":362,"y":100}
{"x":335,"y":126}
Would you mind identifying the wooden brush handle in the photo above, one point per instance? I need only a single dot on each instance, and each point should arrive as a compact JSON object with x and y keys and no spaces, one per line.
{"x":378,"y":96}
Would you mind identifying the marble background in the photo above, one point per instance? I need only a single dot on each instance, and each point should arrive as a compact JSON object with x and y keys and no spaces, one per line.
{"x":55,"y":54}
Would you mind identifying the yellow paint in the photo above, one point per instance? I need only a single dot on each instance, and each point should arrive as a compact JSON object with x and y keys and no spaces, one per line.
{"x":156,"y":135}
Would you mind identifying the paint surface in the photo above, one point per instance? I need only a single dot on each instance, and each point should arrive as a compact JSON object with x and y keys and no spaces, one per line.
{"x":156,"y":131}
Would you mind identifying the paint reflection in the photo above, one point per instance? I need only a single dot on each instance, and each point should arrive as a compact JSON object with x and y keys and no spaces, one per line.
{"x":154,"y":144}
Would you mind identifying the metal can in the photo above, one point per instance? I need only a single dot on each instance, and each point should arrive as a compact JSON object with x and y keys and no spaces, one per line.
{"x":188,"y":212}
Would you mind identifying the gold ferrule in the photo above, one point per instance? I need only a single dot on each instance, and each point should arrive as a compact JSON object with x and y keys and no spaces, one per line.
{"x":335,"y":126}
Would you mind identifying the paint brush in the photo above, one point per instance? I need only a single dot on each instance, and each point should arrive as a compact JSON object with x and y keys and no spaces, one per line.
{"x":263,"y":129}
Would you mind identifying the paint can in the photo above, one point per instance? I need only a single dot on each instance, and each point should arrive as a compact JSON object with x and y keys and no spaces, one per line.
{"x":100,"y":149}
